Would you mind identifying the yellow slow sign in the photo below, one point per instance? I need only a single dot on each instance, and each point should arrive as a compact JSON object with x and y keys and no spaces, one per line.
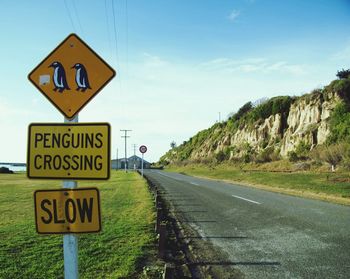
{"x":69,"y":151}
{"x":67,"y":211}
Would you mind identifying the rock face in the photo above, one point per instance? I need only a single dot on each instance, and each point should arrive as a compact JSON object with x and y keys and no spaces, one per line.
{"x":306,"y":121}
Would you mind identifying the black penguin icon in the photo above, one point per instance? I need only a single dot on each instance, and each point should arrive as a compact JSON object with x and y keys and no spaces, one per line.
{"x":59,"y":77}
{"x":81,"y":77}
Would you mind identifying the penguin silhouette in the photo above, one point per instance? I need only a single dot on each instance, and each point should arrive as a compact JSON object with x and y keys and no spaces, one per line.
{"x":59,"y":77}
{"x":81,"y":77}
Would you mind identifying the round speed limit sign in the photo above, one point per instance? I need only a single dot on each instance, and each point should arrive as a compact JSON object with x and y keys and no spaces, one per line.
{"x":143,"y":149}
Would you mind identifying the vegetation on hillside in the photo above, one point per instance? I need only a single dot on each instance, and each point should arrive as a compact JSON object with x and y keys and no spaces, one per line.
{"x":248,"y":116}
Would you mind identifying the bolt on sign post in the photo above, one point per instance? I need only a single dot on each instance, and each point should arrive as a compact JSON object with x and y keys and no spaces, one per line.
{"x":142,"y":149}
{"x":69,"y":77}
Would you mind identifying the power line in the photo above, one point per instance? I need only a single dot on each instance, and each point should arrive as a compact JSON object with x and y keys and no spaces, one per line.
{"x":108,"y":29}
{"x":116,"y":46}
{"x":70,"y":16}
{"x":115,"y":32}
{"x":77,"y":17}
{"x":127,"y":37}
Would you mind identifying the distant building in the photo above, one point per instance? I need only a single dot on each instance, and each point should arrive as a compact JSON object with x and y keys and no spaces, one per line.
{"x":133,"y":162}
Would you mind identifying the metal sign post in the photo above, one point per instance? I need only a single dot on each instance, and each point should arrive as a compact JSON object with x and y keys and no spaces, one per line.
{"x":70,"y":241}
{"x":142,"y":166}
{"x":143,"y":150}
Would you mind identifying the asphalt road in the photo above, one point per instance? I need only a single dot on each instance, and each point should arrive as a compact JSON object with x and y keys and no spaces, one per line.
{"x":264,"y":234}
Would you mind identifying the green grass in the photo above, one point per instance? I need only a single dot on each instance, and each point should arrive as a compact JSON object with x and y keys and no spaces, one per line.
{"x":335,"y":185}
{"x":116,"y":252}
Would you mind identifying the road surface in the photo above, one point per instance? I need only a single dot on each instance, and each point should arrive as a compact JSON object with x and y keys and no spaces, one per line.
{"x":263,"y":234}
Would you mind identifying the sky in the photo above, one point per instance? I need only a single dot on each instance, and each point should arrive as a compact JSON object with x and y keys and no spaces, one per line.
{"x":181,"y":65}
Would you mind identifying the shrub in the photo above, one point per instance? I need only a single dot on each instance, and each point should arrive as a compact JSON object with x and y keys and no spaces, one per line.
{"x":302,"y":166}
{"x":248,"y":152}
{"x":339,"y":124}
{"x":346,"y":158}
{"x":220,"y":156}
{"x":242,"y":111}
{"x":342,"y":87}
{"x":272,"y":107}
{"x":315,"y":154}
{"x":173,"y":144}
{"x":266,"y":155}
{"x":302,"y":150}
{"x":292,"y":156}
{"x":333,"y":155}
{"x":343,"y":74}
{"x":5,"y":170}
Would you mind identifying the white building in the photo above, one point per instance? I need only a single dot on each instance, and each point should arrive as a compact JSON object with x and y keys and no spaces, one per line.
{"x":133,"y":162}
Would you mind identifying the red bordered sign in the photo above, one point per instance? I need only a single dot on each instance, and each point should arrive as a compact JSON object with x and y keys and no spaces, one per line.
{"x":143,"y":149}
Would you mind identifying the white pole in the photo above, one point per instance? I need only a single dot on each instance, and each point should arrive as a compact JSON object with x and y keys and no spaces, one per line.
{"x":117,"y":160}
{"x":142,"y":165}
{"x":125,"y":154}
{"x":125,"y":137}
{"x":70,"y":241}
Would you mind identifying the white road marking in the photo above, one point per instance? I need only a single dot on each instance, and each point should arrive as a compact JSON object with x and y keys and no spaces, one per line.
{"x":194,"y":183}
{"x":238,"y":197}
{"x":178,"y":179}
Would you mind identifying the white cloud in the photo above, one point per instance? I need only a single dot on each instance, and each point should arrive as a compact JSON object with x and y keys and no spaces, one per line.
{"x":248,"y":68}
{"x":153,"y":60}
{"x":234,"y":15}
{"x":252,"y":65}
{"x":227,"y":63}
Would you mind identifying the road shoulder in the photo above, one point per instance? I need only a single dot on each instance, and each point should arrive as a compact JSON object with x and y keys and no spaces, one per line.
{"x":292,"y":192}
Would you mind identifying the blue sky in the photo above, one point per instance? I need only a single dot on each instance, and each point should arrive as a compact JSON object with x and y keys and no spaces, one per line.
{"x":178,"y":63}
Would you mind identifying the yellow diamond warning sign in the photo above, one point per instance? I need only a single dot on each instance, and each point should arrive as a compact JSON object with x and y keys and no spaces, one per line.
{"x":69,"y":151}
{"x":67,"y":210}
{"x":71,"y":75}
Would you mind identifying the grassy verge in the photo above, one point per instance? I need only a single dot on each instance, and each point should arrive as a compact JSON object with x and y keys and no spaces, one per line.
{"x":334,"y":187}
{"x":126,"y":239}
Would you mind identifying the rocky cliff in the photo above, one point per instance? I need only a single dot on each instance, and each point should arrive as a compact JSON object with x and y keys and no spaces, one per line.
{"x":277,"y":127}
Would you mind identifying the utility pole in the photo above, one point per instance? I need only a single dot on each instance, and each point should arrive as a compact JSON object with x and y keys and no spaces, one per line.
{"x":134,"y":145}
{"x":125,"y":138}
{"x":116,"y":168}
{"x":219,"y":117}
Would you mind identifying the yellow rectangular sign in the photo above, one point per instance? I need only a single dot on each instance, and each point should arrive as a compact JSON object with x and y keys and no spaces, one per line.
{"x":69,"y":151}
{"x":67,"y":211}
